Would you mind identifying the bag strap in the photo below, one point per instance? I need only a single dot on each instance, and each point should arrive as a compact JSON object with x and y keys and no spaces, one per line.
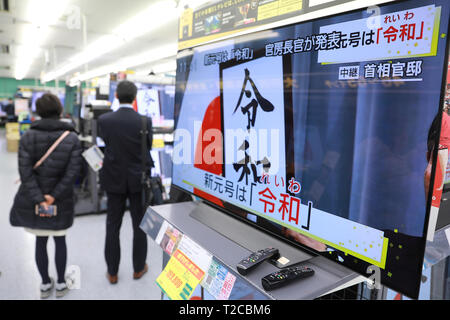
{"x":144,"y":134}
{"x":51,"y":149}
{"x":144,"y":180}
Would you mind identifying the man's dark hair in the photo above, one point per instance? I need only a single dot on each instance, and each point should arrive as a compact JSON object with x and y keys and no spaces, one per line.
{"x":49,"y":106}
{"x":126,"y":92}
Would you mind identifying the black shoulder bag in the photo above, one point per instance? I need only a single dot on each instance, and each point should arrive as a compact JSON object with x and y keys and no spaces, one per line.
{"x":152,"y":187}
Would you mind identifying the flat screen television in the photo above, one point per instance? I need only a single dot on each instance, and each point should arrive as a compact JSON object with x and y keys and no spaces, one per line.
{"x":317,"y":132}
{"x":37,"y":94}
{"x":148,"y":102}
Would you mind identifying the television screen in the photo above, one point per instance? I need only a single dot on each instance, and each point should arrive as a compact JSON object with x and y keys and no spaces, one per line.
{"x":148,"y":102}
{"x":317,"y":132}
{"x":167,"y":96}
{"x":112,"y":90}
{"x":37,"y":94}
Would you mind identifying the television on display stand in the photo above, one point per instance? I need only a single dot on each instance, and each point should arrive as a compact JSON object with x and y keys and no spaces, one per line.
{"x":316,"y":132}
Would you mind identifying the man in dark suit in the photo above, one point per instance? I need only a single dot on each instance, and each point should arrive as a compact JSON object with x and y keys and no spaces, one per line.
{"x":121,"y":178}
{"x":10,"y":110}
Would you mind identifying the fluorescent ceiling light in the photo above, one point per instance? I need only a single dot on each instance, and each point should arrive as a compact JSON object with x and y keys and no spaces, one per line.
{"x":41,"y":14}
{"x":155,"y":16}
{"x":130,"y":62}
{"x":163,"y":67}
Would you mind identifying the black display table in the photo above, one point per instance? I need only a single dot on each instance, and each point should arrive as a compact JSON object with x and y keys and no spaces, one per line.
{"x":229,"y":240}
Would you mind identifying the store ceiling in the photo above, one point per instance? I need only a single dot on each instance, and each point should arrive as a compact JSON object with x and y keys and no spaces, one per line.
{"x":61,"y":43}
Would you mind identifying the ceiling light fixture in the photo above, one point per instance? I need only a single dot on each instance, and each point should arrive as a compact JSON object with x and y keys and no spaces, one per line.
{"x":41,"y":14}
{"x":165,"y":67}
{"x":150,"y":56}
{"x":155,"y":16}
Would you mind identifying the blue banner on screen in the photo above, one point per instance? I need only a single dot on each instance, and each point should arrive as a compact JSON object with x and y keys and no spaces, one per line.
{"x":318,"y":132}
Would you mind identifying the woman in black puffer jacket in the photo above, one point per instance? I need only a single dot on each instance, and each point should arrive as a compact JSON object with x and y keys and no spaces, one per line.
{"x":52,"y":183}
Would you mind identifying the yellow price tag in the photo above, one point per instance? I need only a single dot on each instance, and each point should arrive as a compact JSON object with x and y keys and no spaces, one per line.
{"x":158,"y":143}
{"x":180,"y":277}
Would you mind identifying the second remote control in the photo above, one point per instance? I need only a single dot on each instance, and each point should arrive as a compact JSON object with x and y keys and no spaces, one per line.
{"x":246,"y":265}
{"x":285,"y":276}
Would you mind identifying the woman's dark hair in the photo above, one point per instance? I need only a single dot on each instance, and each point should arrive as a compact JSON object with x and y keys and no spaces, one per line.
{"x":126,"y":92}
{"x":49,"y":106}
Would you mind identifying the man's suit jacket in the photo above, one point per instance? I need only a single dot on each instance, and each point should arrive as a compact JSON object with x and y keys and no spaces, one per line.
{"x":122,"y":166}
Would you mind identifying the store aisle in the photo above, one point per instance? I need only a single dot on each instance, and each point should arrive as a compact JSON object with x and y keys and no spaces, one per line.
{"x":19,"y":277}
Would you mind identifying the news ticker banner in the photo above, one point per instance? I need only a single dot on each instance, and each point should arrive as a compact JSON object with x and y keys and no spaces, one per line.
{"x":228,"y":17}
{"x":350,"y":237}
{"x":402,"y":34}
{"x":189,"y":266}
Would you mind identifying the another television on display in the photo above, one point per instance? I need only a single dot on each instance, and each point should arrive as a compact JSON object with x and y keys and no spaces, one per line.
{"x":147,"y":100}
{"x":317,"y":132}
{"x":38,"y":94}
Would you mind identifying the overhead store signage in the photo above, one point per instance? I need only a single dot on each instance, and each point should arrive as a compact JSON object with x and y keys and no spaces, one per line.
{"x":228,"y":17}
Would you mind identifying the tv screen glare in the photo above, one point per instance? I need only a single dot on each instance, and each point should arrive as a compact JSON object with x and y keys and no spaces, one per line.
{"x":317,"y":132}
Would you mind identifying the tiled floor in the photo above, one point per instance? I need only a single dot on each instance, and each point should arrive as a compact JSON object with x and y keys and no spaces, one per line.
{"x":19,"y":277}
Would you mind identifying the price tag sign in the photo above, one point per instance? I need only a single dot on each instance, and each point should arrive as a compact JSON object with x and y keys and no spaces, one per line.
{"x":195,"y":253}
{"x":94,"y":157}
{"x":180,"y":277}
{"x":168,"y":237}
{"x":219,"y":281}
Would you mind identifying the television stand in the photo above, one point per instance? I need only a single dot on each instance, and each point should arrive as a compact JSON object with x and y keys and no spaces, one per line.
{"x":210,"y":228}
{"x":249,"y":237}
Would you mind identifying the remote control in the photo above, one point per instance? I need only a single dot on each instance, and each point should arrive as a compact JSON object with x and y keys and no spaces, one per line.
{"x":249,"y":263}
{"x":285,"y":276}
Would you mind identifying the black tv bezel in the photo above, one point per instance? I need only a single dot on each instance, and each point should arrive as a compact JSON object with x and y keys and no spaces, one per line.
{"x":298,"y":245}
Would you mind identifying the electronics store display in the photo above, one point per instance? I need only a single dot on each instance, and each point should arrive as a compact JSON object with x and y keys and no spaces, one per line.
{"x":255,"y":259}
{"x":191,"y":219}
{"x":316,"y":132}
{"x":284,"y":277}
